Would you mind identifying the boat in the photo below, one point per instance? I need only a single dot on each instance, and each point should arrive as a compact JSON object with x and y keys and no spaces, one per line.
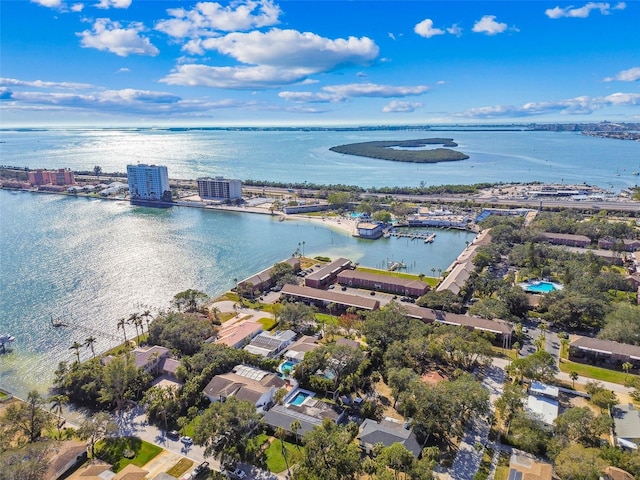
{"x":5,"y":339}
{"x":635,"y":173}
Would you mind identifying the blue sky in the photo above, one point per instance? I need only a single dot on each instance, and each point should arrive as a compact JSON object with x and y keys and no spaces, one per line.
{"x":264,"y":62}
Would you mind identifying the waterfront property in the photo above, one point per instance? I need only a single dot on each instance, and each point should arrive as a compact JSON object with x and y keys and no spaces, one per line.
{"x":263,"y":280}
{"x":61,"y":176}
{"x":460,"y":270}
{"x":315,"y":296}
{"x":383,"y":283}
{"x":369,"y":230}
{"x":219,"y":188}
{"x":327,"y":274}
{"x":245,"y":383}
{"x":236,"y":335}
{"x":148,"y":182}
{"x":426,"y":217}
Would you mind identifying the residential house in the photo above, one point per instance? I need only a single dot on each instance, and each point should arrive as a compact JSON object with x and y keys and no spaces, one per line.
{"x":270,"y":345}
{"x":296,"y":352}
{"x":245,"y":383}
{"x":151,"y":358}
{"x":387,"y":432}
{"x":626,"y":425}
{"x":302,"y":406}
{"x":237,"y":335}
{"x":524,"y":467}
{"x":543,"y":402}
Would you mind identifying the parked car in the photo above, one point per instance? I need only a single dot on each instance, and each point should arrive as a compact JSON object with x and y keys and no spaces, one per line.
{"x":239,"y":474}
{"x":186,"y":440}
{"x":173,"y":435}
{"x":203,"y":467}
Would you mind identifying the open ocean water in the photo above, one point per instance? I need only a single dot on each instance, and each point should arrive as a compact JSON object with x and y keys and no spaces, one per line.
{"x":91,"y":261}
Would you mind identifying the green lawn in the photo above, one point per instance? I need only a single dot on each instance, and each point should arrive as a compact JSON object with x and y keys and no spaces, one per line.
{"x":112,"y":450}
{"x":595,"y":373}
{"x":430,"y":280}
{"x":267,"y":323}
{"x":275,"y":460}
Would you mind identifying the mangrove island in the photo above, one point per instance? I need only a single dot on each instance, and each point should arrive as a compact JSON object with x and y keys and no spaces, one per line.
{"x":385,"y":150}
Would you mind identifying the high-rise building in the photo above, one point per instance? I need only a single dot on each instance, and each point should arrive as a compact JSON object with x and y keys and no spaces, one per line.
{"x":219,"y":188}
{"x":148,"y":182}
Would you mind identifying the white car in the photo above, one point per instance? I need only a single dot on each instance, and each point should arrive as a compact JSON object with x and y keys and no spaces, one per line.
{"x":186,"y":440}
{"x":240,"y":474}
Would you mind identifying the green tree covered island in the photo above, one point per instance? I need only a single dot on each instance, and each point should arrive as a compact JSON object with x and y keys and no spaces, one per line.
{"x":384,"y":150}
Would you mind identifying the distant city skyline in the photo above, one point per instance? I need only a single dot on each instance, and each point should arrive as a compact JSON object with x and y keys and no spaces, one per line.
{"x":317,"y":63}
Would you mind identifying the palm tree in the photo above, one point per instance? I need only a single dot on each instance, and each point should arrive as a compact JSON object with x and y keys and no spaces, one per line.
{"x":57,"y":402}
{"x":89,"y":343}
{"x":439,"y":272}
{"x":146,"y":315}
{"x":122,"y":325}
{"x":76,"y":346}
{"x":433,"y":270}
{"x":295,"y":426}
{"x":133,"y":320}
{"x":573,"y":375}
{"x":627,"y":366}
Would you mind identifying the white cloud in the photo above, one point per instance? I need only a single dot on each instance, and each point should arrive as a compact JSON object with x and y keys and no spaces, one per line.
{"x":630,"y":75}
{"x":425,"y":29}
{"x":341,"y":93}
{"x":106,"y":4}
{"x":391,"y":36}
{"x":125,"y":101}
{"x":13,"y":82}
{"x":233,"y":77}
{"x":293,"y":49}
{"x":77,"y":7}
{"x":584,"y":11}
{"x":455,"y":30}
{"x":271,"y":59}
{"x":207,"y":18}
{"x":583,"y":105}
{"x":488,"y":25}
{"x":401,"y":107}
{"x":123,"y":70}
{"x":111,"y":36}
{"x":49,"y":3}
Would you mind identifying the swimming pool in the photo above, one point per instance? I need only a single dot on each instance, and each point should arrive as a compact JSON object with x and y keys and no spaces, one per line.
{"x":299,"y":398}
{"x":542,"y":287}
{"x":287,"y":366}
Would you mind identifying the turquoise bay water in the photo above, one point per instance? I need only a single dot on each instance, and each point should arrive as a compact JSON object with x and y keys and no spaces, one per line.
{"x":92,"y":261}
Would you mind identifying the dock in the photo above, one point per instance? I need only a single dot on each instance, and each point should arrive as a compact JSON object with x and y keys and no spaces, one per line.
{"x":427,"y":237}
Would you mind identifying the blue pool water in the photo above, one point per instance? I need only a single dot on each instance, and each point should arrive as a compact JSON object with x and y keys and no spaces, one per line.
{"x":287,"y":366}
{"x":541,"y":287}
{"x":299,"y":398}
